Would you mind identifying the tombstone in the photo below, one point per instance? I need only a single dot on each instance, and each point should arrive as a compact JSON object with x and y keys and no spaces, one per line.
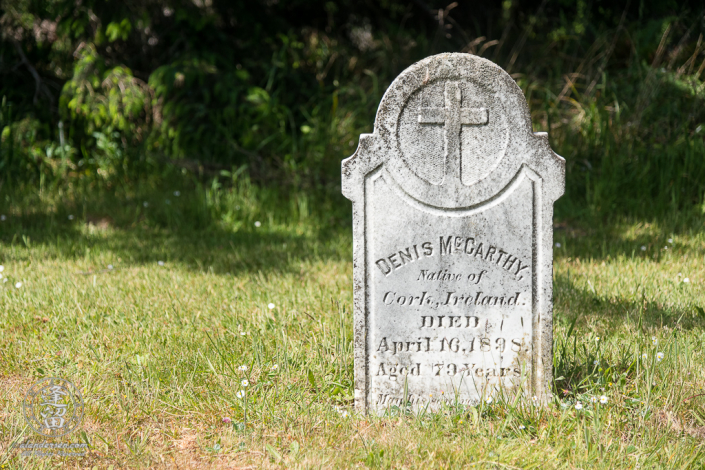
{"x":452,"y":241}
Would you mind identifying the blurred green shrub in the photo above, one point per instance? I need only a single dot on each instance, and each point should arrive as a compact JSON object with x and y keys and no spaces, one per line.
{"x":286,"y":88}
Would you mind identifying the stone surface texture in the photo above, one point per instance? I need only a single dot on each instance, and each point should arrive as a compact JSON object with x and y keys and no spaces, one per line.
{"x":453,"y":245}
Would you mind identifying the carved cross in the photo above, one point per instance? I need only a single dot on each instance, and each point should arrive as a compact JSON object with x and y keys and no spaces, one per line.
{"x":453,"y":117}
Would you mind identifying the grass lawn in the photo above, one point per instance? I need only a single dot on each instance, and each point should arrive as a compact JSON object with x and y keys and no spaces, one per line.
{"x":200,"y":297}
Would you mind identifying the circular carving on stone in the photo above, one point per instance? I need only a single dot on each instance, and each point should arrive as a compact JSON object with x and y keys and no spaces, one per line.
{"x":453,"y":128}
{"x":480,"y":94}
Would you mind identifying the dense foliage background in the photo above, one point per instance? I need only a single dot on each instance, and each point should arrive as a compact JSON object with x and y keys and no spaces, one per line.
{"x":99,"y":94}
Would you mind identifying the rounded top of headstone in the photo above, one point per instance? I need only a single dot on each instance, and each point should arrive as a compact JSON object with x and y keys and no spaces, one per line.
{"x":455,"y":127}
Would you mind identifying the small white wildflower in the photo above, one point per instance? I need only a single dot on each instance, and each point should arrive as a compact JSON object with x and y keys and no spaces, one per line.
{"x":686,"y":280}
{"x":595,"y":362}
{"x":258,"y":223}
{"x":71,"y":217}
{"x":270,"y":306}
{"x":670,"y":240}
{"x":2,"y":268}
{"x":243,"y":367}
{"x":18,"y":285}
{"x":578,"y":406}
{"x":242,"y":333}
{"x":564,"y":405}
{"x":558,"y":245}
{"x":0,"y":276}
{"x":644,"y":356}
{"x":160,"y":263}
{"x":660,"y":356}
{"x":177,"y":193}
{"x":603,"y":399}
{"x":344,"y":413}
{"x":110,"y":266}
{"x":145,"y":204}
{"x":244,"y":383}
{"x":654,"y":341}
{"x":488,"y":400}
{"x":4,"y":280}
{"x":643,"y":247}
{"x":521,"y":426}
{"x":241,"y":394}
{"x":3,"y":218}
{"x":593,"y":399}
{"x":534,"y":398}
{"x":665,"y":248}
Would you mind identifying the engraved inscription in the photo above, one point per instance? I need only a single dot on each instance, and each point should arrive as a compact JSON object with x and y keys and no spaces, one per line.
{"x":451,"y":305}
{"x":451,"y":299}
{"x":454,"y":344}
{"x":454,"y":245}
{"x":444,"y":275}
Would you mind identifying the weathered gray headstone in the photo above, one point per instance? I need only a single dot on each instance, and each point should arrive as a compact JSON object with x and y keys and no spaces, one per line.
{"x":452,"y":220}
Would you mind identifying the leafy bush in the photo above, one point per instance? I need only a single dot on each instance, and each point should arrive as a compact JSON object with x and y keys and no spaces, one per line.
{"x":287,"y":87}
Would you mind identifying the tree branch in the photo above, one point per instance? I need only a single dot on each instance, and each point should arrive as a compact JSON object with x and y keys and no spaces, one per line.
{"x":40,"y":86}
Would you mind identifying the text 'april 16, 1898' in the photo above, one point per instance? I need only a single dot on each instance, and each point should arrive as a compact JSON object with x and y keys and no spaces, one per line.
{"x":453,"y":344}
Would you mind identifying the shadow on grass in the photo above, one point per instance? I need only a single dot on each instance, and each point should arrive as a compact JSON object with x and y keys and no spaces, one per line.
{"x":216,"y":230}
{"x":251,"y":236}
{"x":630,"y":236}
{"x":578,"y":311}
